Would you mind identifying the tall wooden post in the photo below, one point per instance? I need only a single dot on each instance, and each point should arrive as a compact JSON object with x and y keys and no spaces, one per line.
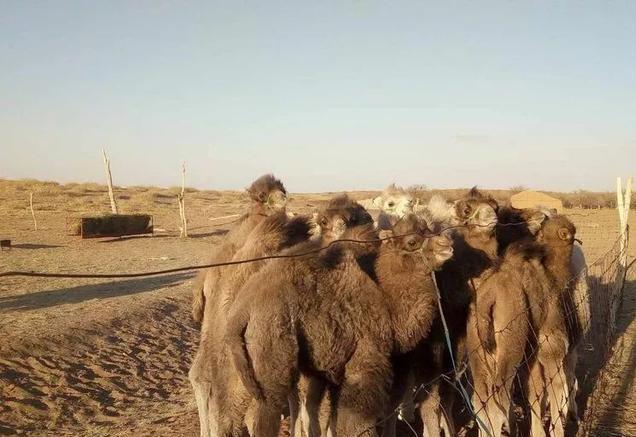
{"x":35,"y":222}
{"x":109,"y":180}
{"x":623,"y":203}
{"x":181,"y":197}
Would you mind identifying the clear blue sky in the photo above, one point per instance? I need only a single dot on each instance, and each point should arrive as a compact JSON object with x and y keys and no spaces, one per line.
{"x":327,"y":95}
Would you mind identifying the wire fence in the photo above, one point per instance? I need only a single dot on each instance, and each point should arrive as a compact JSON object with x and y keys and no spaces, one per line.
{"x":547,"y":387}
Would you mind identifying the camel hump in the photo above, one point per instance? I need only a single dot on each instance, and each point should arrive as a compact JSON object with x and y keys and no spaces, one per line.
{"x":524,"y":251}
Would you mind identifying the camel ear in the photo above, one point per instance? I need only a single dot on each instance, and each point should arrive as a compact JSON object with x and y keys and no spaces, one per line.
{"x":385,"y":235}
{"x":535,"y":221}
{"x":564,"y":234}
{"x":377,"y":202}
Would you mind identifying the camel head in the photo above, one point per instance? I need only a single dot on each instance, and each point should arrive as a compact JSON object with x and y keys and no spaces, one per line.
{"x":268,"y":195}
{"x":411,"y":236}
{"x":395,"y":201}
{"x":343,"y":218}
{"x":556,"y":231}
{"x":476,"y":211}
{"x":529,"y":219}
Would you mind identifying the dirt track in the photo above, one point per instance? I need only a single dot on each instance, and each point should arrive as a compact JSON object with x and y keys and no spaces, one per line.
{"x":89,"y":357}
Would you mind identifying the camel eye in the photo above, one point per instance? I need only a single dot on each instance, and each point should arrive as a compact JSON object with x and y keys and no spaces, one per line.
{"x":412,"y":243}
{"x":391,"y":204}
{"x":467,"y":210}
{"x":262,"y":196}
{"x":324,"y":221}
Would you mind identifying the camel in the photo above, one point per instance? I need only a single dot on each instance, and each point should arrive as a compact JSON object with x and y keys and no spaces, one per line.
{"x":519,"y":316}
{"x":322,"y":316}
{"x":267,"y":196}
{"x":394,"y":202}
{"x":221,"y":400}
{"x":549,"y":374}
{"x":404,"y":268}
{"x":578,"y":298}
{"x":514,"y":224}
{"x":472,"y":221}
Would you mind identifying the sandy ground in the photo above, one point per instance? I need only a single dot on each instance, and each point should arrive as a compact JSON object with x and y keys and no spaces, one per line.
{"x":110,"y":357}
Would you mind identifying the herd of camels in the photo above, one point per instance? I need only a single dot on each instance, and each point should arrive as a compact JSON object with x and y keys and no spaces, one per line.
{"x":354,"y":324}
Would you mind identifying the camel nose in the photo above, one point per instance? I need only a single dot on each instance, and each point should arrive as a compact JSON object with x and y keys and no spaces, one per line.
{"x":442,"y":241}
{"x":277,"y":199}
{"x":339,"y":227}
{"x":487,"y":216}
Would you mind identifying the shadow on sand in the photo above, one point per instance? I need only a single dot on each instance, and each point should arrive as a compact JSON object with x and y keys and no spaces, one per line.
{"x":81,"y":293}
{"x":31,"y":246}
{"x":136,"y":237}
{"x":218,"y":232}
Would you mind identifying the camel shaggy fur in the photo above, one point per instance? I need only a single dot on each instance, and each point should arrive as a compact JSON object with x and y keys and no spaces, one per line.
{"x":221,"y":399}
{"x":394,"y":202}
{"x":475,"y":251}
{"x":322,"y":316}
{"x":518,"y":317}
{"x":267,"y":196}
{"x":404,"y":269}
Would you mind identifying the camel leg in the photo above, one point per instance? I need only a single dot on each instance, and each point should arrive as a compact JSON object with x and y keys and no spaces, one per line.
{"x":573,"y":383}
{"x":364,"y":394}
{"x":315,"y":395}
{"x":400,"y":395}
{"x":557,"y":392}
{"x":536,"y":401}
{"x":295,"y":411}
{"x":267,"y":418}
{"x":446,"y":421}
{"x":203,"y":396}
{"x":310,"y":393}
{"x":430,"y":412}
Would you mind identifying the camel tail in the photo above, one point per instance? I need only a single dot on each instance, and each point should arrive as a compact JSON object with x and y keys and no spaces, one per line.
{"x":235,"y":340}
{"x":198,"y":297}
{"x":484,"y":321}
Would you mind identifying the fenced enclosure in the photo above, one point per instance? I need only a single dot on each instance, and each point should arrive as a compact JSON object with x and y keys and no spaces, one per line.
{"x":598,"y":230}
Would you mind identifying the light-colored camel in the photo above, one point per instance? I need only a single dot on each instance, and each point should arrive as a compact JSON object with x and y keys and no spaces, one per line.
{"x":221,"y":399}
{"x":267,"y":196}
{"x":394,"y":202}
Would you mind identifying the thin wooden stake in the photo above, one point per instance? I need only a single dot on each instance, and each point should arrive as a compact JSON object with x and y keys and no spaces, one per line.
{"x":35,"y":222}
{"x":181,"y":197}
{"x":109,"y":180}
{"x":623,"y":203}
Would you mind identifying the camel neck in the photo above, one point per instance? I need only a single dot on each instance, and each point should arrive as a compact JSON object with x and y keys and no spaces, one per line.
{"x":257,"y":208}
{"x":484,"y":241}
{"x":557,"y":262}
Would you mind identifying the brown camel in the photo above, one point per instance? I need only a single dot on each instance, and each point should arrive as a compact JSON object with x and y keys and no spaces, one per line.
{"x":267,"y":196}
{"x":548,"y":380}
{"x":519,"y":317}
{"x":514,"y":224}
{"x":404,"y":268}
{"x":475,"y":251}
{"x":221,"y":399}
{"x":322,"y":316}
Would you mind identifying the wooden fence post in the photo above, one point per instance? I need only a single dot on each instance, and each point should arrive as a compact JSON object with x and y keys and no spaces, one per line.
{"x":109,"y":180}
{"x":35,"y":222}
{"x":623,"y":203}
{"x":181,"y":197}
